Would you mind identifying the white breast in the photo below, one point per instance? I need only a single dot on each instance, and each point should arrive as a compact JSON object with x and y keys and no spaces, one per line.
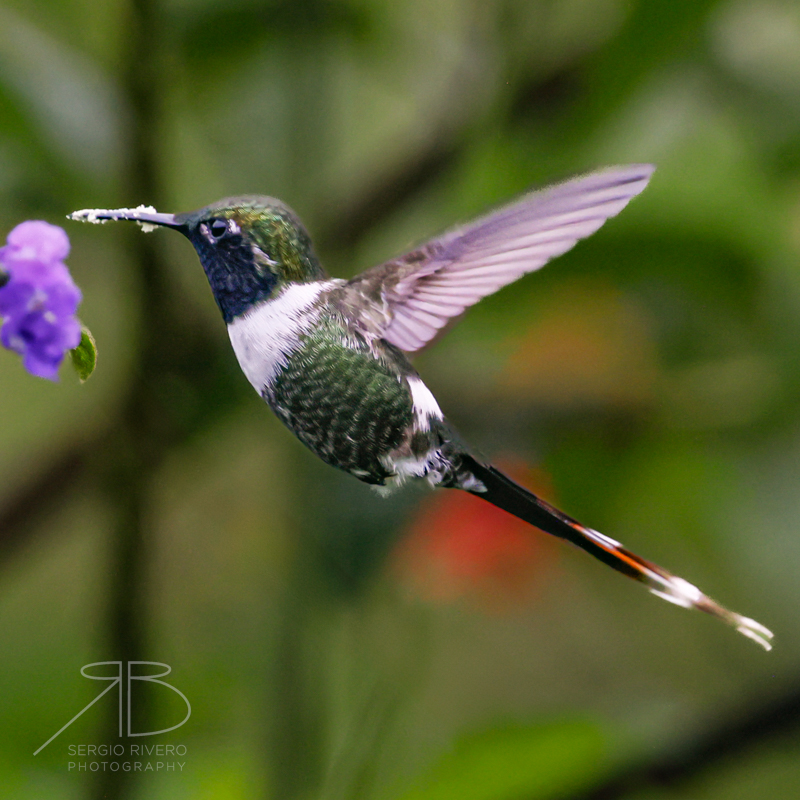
{"x":263,"y":337}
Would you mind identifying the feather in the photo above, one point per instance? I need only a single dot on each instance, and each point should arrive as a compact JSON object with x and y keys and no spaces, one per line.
{"x":427,"y":287}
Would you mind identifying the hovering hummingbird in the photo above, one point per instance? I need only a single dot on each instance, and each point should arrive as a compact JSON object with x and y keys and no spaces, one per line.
{"x":331,"y":356}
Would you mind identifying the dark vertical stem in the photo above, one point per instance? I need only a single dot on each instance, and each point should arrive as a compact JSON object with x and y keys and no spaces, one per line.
{"x":131,"y":455}
{"x":307,"y":52}
{"x":296,"y":707}
{"x":297,"y":713}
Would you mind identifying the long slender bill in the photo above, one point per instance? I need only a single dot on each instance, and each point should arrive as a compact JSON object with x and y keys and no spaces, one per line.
{"x":146,"y":216}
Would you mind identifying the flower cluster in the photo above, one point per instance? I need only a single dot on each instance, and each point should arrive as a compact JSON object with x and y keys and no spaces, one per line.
{"x":39,"y":299}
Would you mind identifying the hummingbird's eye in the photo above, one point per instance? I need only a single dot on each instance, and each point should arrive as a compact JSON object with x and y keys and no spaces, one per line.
{"x":218,"y":228}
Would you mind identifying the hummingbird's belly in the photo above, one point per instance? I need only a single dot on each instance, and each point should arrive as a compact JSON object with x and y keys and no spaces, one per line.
{"x":349,"y":407}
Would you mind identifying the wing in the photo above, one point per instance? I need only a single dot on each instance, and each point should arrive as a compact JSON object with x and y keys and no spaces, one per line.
{"x":425,"y":288}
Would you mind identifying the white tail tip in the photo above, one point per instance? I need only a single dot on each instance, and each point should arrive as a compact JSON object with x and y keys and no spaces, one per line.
{"x":676,"y":590}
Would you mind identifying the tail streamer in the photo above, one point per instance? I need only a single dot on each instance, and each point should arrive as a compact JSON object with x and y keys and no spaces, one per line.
{"x":501,"y":491}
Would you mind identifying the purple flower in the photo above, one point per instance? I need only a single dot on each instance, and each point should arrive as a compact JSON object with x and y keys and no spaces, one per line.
{"x":39,"y":301}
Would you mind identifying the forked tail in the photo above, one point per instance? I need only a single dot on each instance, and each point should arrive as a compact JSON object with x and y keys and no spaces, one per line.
{"x":501,"y":491}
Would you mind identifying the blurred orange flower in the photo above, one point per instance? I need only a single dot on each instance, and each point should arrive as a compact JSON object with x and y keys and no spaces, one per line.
{"x":458,"y":545}
{"x":593,"y":346}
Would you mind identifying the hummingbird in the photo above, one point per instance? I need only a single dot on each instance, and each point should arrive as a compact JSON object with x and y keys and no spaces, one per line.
{"x":331,"y":357}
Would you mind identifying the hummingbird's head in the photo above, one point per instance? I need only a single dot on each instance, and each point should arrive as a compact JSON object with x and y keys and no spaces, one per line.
{"x":250,"y":247}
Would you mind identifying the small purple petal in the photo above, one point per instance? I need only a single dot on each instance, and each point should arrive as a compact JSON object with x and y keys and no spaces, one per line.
{"x":63,"y":299}
{"x":71,"y":333}
{"x":13,"y":296}
{"x":10,"y":337}
{"x":36,"y":240}
{"x":41,"y":366}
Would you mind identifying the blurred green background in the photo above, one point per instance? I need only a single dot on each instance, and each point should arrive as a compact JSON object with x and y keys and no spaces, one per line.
{"x":334,"y":644}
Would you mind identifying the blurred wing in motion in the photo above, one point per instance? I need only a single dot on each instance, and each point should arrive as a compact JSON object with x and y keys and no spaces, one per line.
{"x":425,"y":288}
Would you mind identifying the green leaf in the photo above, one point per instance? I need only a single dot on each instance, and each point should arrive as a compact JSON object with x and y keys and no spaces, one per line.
{"x":84,"y":356}
{"x":536,"y":762}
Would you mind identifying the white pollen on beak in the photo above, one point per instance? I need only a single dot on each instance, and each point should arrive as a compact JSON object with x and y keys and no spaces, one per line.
{"x":99,"y":216}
